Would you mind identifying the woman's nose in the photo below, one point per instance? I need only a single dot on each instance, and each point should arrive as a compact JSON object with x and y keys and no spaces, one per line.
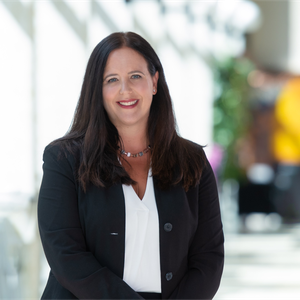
{"x":125,"y":87}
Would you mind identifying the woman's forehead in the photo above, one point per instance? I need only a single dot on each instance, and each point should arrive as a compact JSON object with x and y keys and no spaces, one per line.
{"x":125,"y":58}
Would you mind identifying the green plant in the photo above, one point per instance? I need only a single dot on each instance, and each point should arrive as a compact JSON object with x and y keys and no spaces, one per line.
{"x":231,"y":110}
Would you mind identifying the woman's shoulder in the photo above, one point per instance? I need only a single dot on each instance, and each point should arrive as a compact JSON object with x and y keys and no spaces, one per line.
{"x":193,"y":145}
{"x":193,"y":149}
{"x":61,"y":150}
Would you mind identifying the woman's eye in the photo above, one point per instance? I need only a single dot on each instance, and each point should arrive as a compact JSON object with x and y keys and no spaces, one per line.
{"x":112,"y":80}
{"x":136,"y":76}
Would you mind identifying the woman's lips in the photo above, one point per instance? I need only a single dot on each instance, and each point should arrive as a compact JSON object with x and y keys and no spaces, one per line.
{"x":128,"y":103}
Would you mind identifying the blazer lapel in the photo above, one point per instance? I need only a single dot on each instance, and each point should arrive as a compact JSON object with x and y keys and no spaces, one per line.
{"x":103,"y":213}
{"x":169,"y":206}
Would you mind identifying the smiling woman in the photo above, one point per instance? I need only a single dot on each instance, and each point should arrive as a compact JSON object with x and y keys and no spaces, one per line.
{"x":128,"y":88}
{"x":127,"y":208}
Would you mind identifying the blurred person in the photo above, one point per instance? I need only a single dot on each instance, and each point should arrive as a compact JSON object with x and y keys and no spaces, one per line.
{"x":127,"y":208}
{"x":256,"y":161}
{"x":286,"y":143}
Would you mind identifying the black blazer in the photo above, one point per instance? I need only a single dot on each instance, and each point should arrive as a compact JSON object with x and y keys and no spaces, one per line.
{"x":87,"y":260}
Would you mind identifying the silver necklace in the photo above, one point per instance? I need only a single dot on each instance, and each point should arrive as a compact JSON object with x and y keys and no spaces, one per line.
{"x":128,"y":154}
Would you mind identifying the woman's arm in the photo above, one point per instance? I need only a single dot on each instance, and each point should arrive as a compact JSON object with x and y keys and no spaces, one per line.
{"x":206,"y":253}
{"x":74,"y":267}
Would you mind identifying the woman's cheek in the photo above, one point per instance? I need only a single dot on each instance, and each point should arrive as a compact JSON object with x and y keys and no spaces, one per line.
{"x":142,"y":85}
{"x":109,"y":90}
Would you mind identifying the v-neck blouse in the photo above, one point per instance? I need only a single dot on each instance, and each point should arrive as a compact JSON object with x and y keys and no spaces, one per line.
{"x":142,"y":257}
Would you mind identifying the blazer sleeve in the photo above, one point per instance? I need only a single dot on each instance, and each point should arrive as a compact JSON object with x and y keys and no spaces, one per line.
{"x":72,"y":264}
{"x":206,"y":253}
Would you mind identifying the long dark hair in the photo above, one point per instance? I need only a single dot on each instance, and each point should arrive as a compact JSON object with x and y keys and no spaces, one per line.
{"x":174,"y":160}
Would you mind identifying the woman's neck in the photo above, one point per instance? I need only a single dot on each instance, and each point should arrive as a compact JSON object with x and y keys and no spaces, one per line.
{"x":134,"y":139}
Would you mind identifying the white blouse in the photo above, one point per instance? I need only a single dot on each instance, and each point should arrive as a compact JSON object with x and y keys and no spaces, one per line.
{"x":142,"y":258}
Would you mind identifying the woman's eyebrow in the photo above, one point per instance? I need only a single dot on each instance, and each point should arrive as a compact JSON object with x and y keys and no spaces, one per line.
{"x":136,"y":71}
{"x":109,"y":76}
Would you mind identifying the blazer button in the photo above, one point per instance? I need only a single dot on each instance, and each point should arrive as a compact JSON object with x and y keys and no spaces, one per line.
{"x":169,"y":276}
{"x":168,"y":227}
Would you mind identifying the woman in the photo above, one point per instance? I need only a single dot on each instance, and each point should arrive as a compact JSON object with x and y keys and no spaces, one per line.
{"x":127,"y":208}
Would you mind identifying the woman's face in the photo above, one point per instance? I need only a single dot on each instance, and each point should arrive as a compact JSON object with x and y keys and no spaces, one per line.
{"x":128,"y":88}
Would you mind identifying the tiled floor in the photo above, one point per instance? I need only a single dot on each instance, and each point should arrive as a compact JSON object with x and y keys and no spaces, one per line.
{"x":262,"y":266}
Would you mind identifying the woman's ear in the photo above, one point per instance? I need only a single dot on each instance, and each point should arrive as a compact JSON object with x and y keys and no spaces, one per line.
{"x":155,"y":80}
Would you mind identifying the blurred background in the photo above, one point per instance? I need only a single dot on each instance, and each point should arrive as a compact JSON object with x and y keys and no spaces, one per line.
{"x":233,"y":72}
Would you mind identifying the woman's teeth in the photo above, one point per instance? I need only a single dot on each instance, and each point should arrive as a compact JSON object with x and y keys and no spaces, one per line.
{"x":128,"y":103}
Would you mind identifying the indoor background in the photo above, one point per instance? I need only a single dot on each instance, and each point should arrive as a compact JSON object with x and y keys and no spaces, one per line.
{"x":232,"y":68}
